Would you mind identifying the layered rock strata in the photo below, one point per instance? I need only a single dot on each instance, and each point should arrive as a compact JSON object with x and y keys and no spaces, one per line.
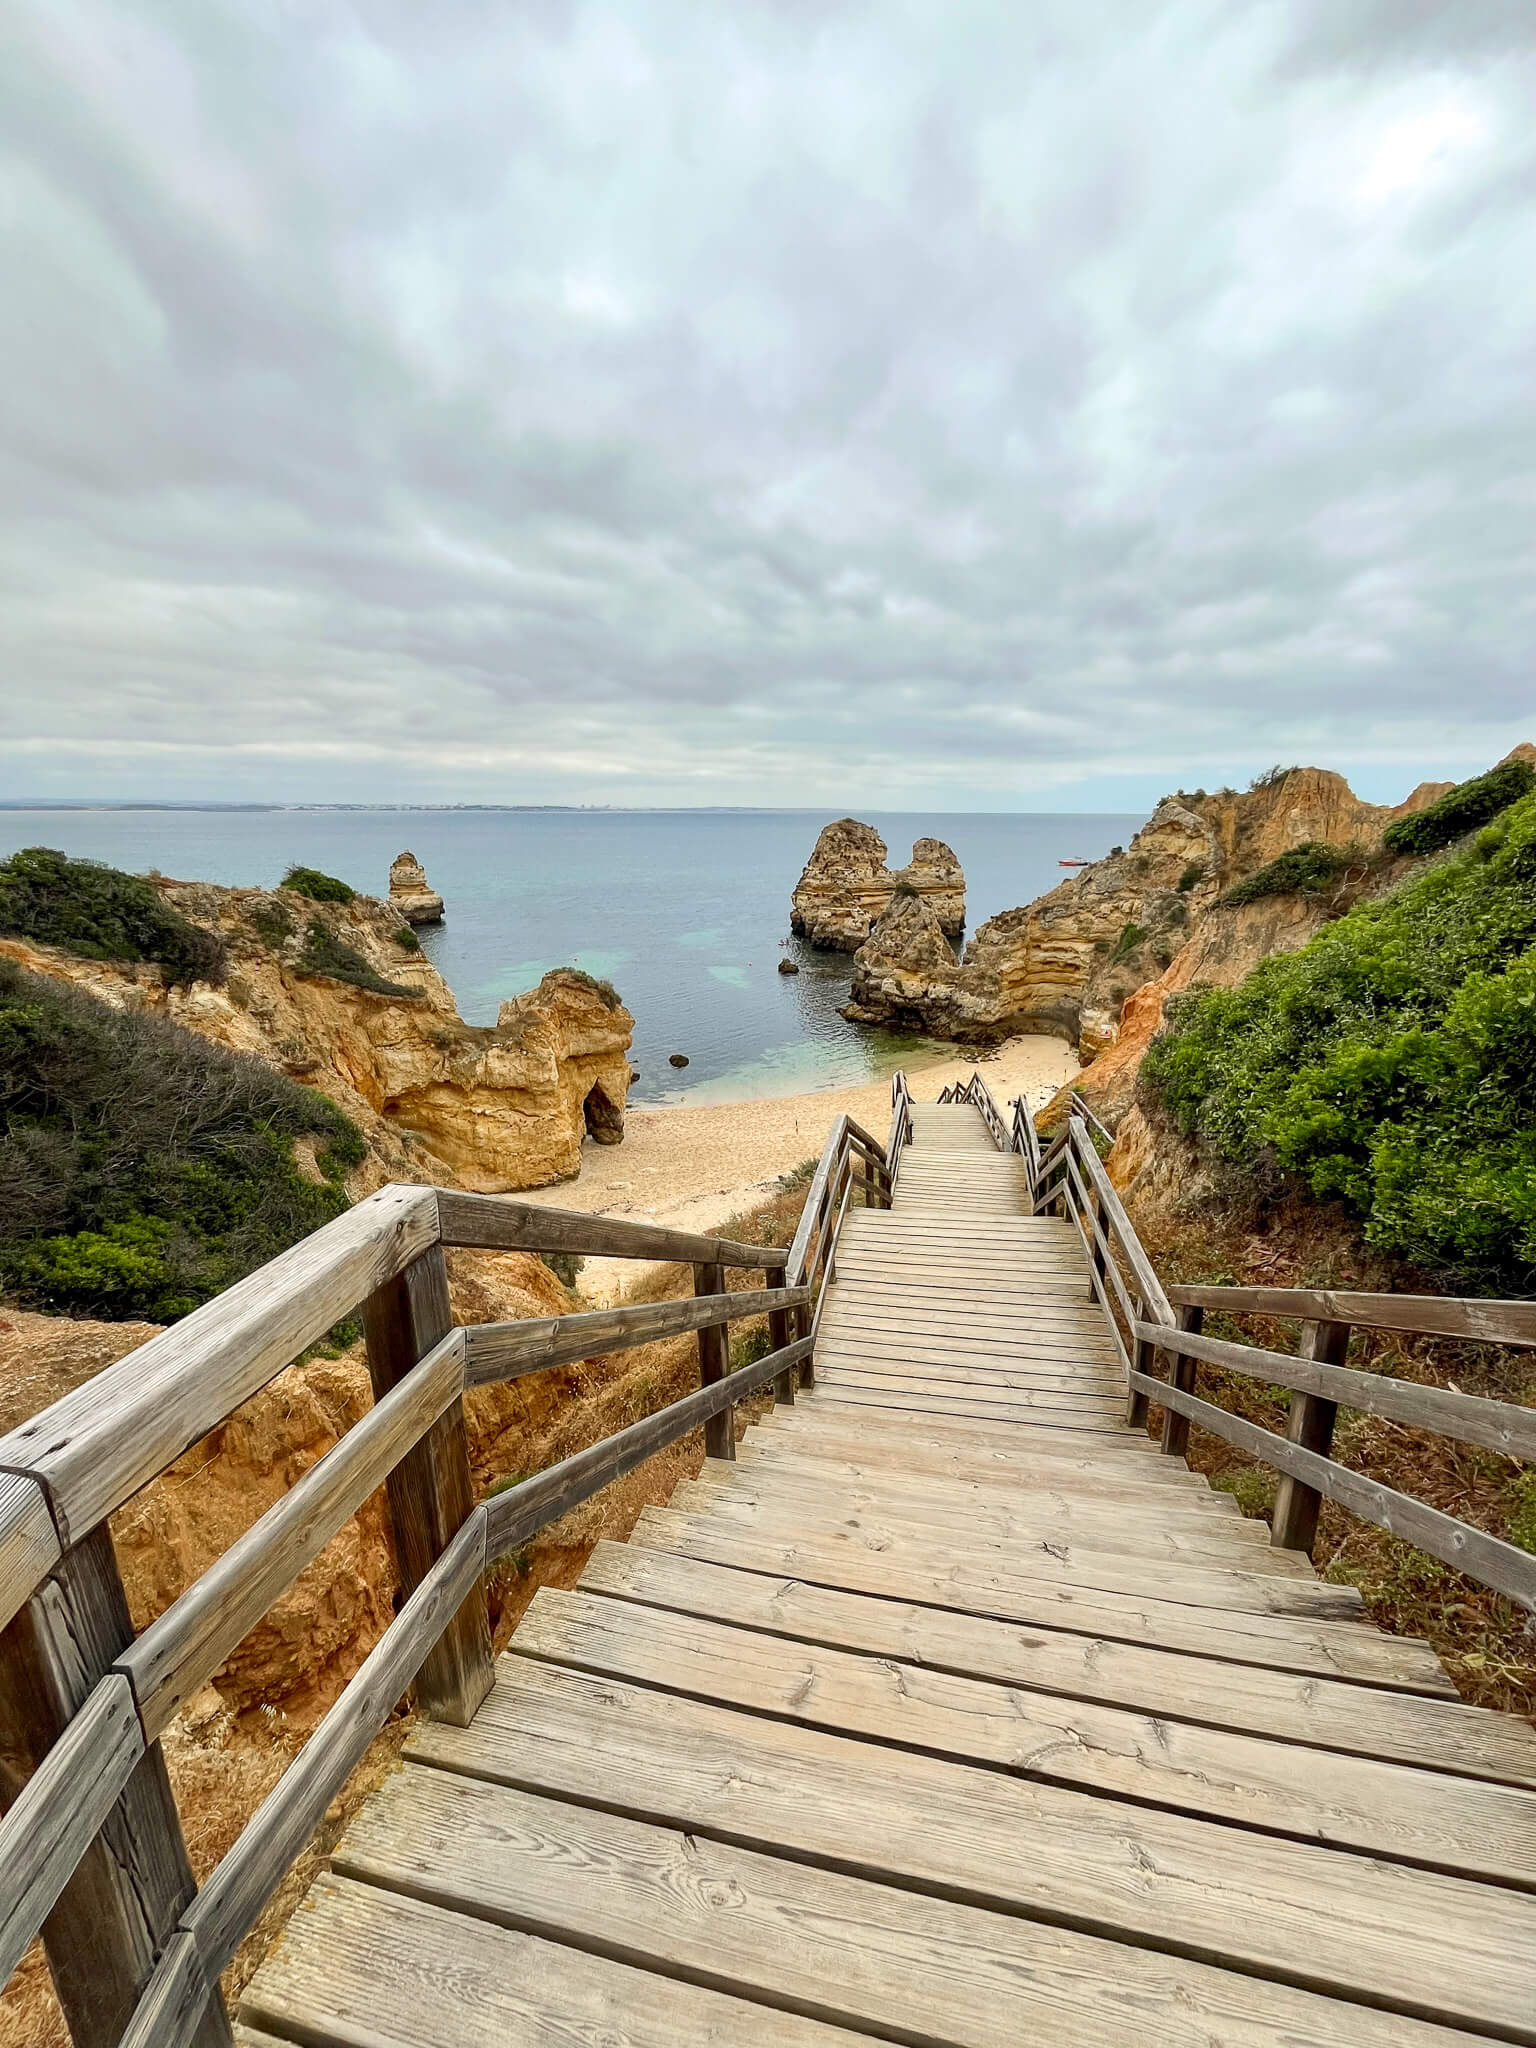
{"x":846,"y":886}
{"x":1069,"y":962}
{"x":410,"y":893}
{"x":491,"y":1110}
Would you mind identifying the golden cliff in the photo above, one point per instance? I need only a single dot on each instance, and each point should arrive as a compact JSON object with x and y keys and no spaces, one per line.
{"x":337,"y":997}
{"x":846,"y":886}
{"x":1069,"y":962}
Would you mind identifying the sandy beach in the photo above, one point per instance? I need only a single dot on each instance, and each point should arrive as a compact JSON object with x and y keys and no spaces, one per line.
{"x":694,"y":1167}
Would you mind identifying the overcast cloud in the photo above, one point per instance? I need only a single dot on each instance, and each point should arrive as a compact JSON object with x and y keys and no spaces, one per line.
{"x":956,"y":404}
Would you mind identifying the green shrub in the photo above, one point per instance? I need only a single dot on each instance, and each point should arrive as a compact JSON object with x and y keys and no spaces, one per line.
{"x":1453,"y":815}
{"x":270,"y":922}
{"x":1390,"y":1064}
{"x":564,"y":1265}
{"x":1301,"y":870}
{"x":326,"y":954}
{"x":1273,"y":777}
{"x":141,"y":1168}
{"x":100,"y":913}
{"x":407,"y":940}
{"x":1131,"y":936}
{"x":317,"y":887}
{"x":605,"y":991}
{"x":1191,"y":877}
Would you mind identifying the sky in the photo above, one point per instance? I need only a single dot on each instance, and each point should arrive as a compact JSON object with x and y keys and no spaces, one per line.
{"x":973,"y":406}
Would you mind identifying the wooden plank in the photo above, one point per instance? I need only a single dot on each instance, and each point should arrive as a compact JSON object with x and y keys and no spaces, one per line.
{"x":498,"y":1223}
{"x":376,"y":1967}
{"x":1387,"y":1935}
{"x":874,"y":1365}
{"x":1050,"y":1560}
{"x":1073,"y":1482}
{"x":1196,"y":1539}
{"x":859,"y":1453}
{"x":521,"y":1511}
{"x":1427,"y":1315}
{"x":1431,"y":1735}
{"x":828,"y":1946}
{"x":175,"y":1998}
{"x":1473,"y":1551}
{"x":1469,"y":1418}
{"x":1148,"y":1285}
{"x":504,"y":1351}
{"x":29,"y":1543}
{"x":923,"y":1404}
{"x":1293,"y":1526}
{"x":1091,"y":1397}
{"x":119,"y":1429}
{"x":59,"y":1811}
{"x":121,"y":1901}
{"x":431,"y":1493}
{"x":814,"y":1420}
{"x":228,"y":1904}
{"x":1386,"y":1810}
{"x":1343,"y":1648}
{"x":185,"y":1645}
{"x":797,"y":1266}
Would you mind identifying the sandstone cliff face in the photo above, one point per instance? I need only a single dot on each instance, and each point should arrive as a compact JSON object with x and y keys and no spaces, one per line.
{"x":492,"y":1110}
{"x":410,"y":893}
{"x":1068,"y":962}
{"x":846,"y":886}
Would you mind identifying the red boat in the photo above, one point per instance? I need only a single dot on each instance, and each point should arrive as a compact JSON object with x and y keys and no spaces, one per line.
{"x":1074,"y":863}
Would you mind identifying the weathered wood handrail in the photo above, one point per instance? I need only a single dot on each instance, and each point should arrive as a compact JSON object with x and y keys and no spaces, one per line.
{"x":1166,"y":1325}
{"x":66,"y":1469}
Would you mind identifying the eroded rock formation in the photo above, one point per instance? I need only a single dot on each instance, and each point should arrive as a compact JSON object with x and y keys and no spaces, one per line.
{"x":846,"y":886}
{"x":327,"y":992}
{"x":411,"y":894}
{"x":1069,"y":962}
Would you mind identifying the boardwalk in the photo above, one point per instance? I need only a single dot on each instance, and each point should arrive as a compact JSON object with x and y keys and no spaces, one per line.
{"x":949,"y":1712}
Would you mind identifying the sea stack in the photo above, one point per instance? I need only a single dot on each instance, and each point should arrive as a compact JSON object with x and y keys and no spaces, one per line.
{"x":409,"y":892}
{"x":847,"y":887}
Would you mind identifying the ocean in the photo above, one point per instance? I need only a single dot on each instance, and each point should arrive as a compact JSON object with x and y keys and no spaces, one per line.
{"x":687,"y":912}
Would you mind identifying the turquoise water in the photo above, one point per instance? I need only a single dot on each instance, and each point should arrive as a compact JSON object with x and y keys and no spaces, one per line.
{"x":687,"y":912}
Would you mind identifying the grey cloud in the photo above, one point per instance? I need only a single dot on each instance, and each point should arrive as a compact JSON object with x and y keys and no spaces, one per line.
{"x":783,"y":403}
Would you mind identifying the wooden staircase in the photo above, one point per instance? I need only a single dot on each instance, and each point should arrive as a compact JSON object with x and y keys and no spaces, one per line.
{"x":945,"y":1711}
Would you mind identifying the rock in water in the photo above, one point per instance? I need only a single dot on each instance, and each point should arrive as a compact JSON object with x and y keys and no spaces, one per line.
{"x":409,"y":892}
{"x":677,"y":1059}
{"x":788,"y":967}
{"x":847,"y":886}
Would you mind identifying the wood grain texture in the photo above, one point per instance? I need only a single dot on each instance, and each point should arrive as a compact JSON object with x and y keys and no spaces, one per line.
{"x":29,"y":1543}
{"x":185,"y":1645}
{"x":1468,"y":1418}
{"x":1425,"y":1315}
{"x":180,"y":1992}
{"x":828,"y":1946}
{"x":1429,"y":1734}
{"x":1409,"y":1940}
{"x":115,"y":1433}
{"x":714,"y":1364}
{"x":1473,"y":1551}
{"x":394,"y":1970}
{"x":431,"y":1493}
{"x":502,"y":1224}
{"x":119,"y":1906}
{"x":504,"y":1351}
{"x":234,"y":1895}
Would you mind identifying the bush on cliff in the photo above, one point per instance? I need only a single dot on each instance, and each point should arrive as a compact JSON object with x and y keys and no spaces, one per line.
{"x":1390,"y":1064}
{"x":324,"y":953}
{"x":141,"y":1168}
{"x":100,"y":913}
{"x":1305,"y":869}
{"x":318,"y":887}
{"x":1461,"y":809}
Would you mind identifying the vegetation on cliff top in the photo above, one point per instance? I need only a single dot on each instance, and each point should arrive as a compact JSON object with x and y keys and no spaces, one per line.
{"x":1391,"y":1063}
{"x":141,"y":1168}
{"x":1306,"y":869}
{"x":100,"y":913}
{"x":1461,"y":810}
{"x":318,"y":887}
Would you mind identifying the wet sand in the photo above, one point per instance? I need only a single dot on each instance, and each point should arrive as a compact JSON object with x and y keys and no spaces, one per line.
{"x":695,"y":1167}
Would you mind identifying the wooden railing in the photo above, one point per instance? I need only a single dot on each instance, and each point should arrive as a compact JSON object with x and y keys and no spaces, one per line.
{"x":979,"y":1095}
{"x":1161,"y":1342}
{"x":91,"y":1849}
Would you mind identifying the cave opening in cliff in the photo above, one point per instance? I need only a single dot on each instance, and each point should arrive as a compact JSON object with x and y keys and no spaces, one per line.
{"x":604,"y":1122}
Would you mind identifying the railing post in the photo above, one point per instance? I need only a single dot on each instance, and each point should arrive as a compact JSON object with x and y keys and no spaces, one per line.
{"x":714,"y":1364}
{"x":1176,"y":1427}
{"x":781,"y":1324}
{"x":1100,"y":1234}
{"x":1311,"y":1426}
{"x":119,"y":1909}
{"x":431,"y":1493}
{"x":1141,"y":1361}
